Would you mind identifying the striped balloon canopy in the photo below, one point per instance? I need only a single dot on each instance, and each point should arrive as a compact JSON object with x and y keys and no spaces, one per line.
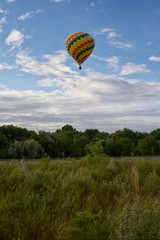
{"x":80,"y":45}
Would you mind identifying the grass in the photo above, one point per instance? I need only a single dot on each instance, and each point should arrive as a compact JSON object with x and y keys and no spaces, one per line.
{"x":95,"y":198}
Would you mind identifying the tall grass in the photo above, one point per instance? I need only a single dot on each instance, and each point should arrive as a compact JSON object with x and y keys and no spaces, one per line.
{"x":95,"y":198}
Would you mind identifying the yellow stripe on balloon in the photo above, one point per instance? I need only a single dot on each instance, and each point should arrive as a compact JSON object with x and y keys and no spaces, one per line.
{"x":82,"y":57}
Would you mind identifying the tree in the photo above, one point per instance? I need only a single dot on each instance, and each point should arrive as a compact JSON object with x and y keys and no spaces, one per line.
{"x":91,"y":134}
{"x":148,"y":146}
{"x":27,"y":149}
{"x":49,"y":143}
{"x":66,"y":128}
{"x":71,"y":142}
{"x":3,"y":140}
{"x":126,"y":132}
{"x":156,"y":133}
{"x":16,"y":150}
{"x":80,"y":145}
{"x":15,"y":133}
{"x":96,"y":148}
{"x":32,"y":149}
{"x":122,"y":146}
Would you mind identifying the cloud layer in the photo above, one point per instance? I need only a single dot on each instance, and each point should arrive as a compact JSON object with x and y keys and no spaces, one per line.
{"x":86,"y":100}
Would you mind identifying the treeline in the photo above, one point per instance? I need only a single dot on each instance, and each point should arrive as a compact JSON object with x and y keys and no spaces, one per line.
{"x":16,"y":142}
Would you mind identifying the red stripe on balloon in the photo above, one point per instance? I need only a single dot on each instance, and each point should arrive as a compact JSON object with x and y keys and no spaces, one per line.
{"x":72,"y":37}
{"x":84,"y":58}
{"x":83,"y":45}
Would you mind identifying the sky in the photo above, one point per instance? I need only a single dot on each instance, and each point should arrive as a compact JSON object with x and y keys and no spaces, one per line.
{"x":41,"y":87}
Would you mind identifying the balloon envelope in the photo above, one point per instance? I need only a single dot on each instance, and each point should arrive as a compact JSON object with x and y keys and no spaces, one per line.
{"x":80,"y":45}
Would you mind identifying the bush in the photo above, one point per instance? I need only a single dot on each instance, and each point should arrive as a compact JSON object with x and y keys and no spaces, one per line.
{"x":103,"y":199}
{"x":138,"y":221}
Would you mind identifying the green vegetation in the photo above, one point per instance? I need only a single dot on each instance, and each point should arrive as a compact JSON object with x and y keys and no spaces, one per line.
{"x":94,"y":198}
{"x":18,"y":143}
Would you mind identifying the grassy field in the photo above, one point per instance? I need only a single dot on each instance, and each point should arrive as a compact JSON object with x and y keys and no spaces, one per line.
{"x":95,"y":198}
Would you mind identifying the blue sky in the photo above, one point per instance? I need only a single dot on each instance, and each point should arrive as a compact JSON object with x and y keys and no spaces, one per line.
{"x":41,"y":87}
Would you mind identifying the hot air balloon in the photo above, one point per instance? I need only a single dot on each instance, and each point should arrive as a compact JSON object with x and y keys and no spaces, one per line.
{"x":80,"y":45}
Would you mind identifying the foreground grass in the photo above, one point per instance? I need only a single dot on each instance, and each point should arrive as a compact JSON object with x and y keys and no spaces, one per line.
{"x":95,"y":198}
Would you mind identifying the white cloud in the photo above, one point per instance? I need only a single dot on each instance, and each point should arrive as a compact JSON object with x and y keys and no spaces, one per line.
{"x":132,"y":68}
{"x":109,"y":32}
{"x":154,"y":58}
{"x":5,"y":66}
{"x":15,"y":39}
{"x":112,"y":36}
{"x":46,"y":82}
{"x":119,"y":44}
{"x":2,"y":85}
{"x":11,"y":1}
{"x":59,"y":1}
{"x":56,"y":1}
{"x":2,"y":11}
{"x":105,"y":31}
{"x":113,"y":62}
{"x":53,"y":64}
{"x":29,"y":14}
{"x":2,"y":20}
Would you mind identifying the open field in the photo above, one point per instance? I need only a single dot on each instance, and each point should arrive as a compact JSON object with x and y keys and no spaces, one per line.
{"x":95,"y":198}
